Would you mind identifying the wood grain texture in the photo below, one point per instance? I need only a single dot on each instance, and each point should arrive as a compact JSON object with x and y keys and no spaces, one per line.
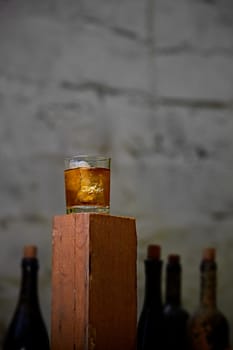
{"x":94,"y":294}
{"x":69,"y":280}
{"x":112,"y":312}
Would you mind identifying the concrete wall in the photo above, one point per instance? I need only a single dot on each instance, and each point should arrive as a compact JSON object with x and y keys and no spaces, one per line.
{"x":149,"y":83}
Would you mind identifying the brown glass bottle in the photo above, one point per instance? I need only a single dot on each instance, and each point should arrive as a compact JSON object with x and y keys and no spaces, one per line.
{"x":27,"y":329}
{"x":150,"y":325}
{"x":175,"y":316}
{"x":208,"y":328}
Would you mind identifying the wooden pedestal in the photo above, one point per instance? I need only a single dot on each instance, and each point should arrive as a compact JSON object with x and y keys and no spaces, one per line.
{"x":94,"y":294}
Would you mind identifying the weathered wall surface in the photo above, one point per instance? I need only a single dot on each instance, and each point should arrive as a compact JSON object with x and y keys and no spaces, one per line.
{"x":149,"y":83}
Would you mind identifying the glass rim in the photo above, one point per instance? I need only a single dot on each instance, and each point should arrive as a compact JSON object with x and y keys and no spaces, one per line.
{"x":88,"y":157}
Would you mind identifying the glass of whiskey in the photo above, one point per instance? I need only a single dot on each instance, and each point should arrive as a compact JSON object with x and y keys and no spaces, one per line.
{"x":87,"y":184}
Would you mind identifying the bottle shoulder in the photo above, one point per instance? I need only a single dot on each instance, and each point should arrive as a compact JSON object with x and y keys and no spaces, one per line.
{"x":150,"y":317}
{"x":151,"y":311}
{"x":208,"y":329}
{"x":25,"y":334}
{"x":212,"y":318}
{"x":29,"y":310}
{"x":170,"y":310}
{"x":26,"y":323}
{"x":208,"y":313}
{"x":175,"y":316}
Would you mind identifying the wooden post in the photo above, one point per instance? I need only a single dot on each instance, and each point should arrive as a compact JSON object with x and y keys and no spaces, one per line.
{"x":94,"y":294}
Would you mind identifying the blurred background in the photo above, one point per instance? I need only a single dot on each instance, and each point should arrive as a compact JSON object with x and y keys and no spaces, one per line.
{"x":148,"y":83}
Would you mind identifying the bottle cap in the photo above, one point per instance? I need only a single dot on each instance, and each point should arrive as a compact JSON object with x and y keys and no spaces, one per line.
{"x":153,"y":251}
{"x":30,"y":251}
{"x":173,"y":258}
{"x":209,"y":254}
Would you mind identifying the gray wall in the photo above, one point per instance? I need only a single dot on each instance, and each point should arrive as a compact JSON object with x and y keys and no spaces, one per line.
{"x":149,"y":83}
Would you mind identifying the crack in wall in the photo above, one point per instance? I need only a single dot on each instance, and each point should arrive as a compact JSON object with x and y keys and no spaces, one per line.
{"x":104,"y":90}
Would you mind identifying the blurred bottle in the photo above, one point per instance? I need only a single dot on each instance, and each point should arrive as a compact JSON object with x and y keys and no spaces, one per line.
{"x":27,"y":330}
{"x":175,"y":317}
{"x":150,"y":325}
{"x":208,"y":328}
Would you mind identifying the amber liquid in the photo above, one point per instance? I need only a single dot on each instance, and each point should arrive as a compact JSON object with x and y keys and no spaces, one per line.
{"x":87,"y":189}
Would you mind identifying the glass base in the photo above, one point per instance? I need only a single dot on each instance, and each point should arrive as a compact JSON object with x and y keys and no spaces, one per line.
{"x":87,"y":209}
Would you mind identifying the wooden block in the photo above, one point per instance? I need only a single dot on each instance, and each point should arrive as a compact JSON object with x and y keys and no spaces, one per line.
{"x":94,"y":294}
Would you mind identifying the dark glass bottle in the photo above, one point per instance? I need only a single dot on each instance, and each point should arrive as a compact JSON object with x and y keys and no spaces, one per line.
{"x":150,"y":325}
{"x":27,"y":330}
{"x":208,"y":328}
{"x":175,"y":316}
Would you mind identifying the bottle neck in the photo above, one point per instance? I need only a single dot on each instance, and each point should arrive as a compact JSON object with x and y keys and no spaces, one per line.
{"x":173,"y":284}
{"x":29,"y":287}
{"x":208,"y":284}
{"x":153,"y":296}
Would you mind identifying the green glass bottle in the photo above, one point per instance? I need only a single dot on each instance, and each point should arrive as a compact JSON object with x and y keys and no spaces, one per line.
{"x":150,"y":324}
{"x":175,"y":316}
{"x":27,"y":330}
